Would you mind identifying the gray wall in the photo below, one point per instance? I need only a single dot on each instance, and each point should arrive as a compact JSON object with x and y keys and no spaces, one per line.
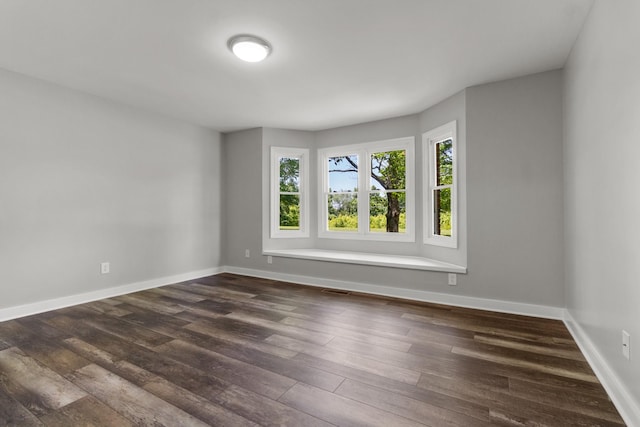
{"x":514,"y":174}
{"x":84,"y":180}
{"x":602,"y":202}
{"x":242,"y":200}
{"x":514,"y":250}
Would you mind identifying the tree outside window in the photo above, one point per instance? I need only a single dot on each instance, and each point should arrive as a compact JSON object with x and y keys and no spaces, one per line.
{"x":366,"y":190}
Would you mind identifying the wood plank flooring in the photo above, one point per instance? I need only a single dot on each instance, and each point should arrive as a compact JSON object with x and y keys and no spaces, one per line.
{"x":230,"y":350}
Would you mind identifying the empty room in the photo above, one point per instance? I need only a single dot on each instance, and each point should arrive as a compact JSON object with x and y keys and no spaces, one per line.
{"x":319,"y":213}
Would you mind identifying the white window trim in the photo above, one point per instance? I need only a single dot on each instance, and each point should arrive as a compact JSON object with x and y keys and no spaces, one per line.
{"x":429,"y":139}
{"x":363,"y":151}
{"x":289,"y":152}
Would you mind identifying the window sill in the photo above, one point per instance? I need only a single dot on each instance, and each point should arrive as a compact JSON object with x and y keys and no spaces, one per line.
{"x":362,"y":258}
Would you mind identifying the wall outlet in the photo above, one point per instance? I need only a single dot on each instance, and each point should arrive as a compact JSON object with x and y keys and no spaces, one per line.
{"x":269,"y":259}
{"x":247,"y":253}
{"x":105,"y":267}
{"x":452,"y":279}
{"x":626,"y":344}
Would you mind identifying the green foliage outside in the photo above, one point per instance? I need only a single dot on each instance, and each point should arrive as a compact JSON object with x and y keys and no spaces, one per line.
{"x":289,"y":212}
{"x":343,"y":212}
{"x":379,"y":223}
{"x":445,"y":223}
{"x":376,"y":223}
{"x":342,"y":204}
{"x":444,"y":166}
{"x":289,"y":203}
{"x":389,"y":169}
{"x":445,"y":162}
{"x":289,"y":175}
{"x":343,"y":223}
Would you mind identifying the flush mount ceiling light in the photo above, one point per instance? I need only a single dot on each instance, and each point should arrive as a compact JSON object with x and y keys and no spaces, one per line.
{"x":249,"y":48}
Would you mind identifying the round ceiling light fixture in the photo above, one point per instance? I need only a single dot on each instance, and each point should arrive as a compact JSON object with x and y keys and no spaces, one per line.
{"x":249,"y":48}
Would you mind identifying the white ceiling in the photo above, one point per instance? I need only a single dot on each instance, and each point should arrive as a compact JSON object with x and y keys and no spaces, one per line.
{"x":334,"y":62}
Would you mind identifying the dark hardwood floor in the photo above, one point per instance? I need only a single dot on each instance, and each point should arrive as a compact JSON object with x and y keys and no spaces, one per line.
{"x":230,"y":350}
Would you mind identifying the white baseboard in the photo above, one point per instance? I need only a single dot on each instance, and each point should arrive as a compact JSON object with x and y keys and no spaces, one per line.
{"x":56,"y":303}
{"x":411,"y":294}
{"x":543,"y":311}
{"x":619,"y":394}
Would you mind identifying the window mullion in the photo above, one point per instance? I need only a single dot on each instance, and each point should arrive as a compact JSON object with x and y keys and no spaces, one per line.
{"x":440,"y":187}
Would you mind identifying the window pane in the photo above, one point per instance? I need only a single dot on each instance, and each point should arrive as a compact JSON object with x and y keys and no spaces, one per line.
{"x":342,"y":212}
{"x":387,"y":212}
{"x":343,"y":174}
{"x":388,"y":170}
{"x":442,"y":212}
{"x":444,"y":162}
{"x":289,"y":212}
{"x":289,"y":175}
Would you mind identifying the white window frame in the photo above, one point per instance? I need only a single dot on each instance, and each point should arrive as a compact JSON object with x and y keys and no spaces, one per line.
{"x":363,"y":151}
{"x":429,"y":141}
{"x":302,"y":154}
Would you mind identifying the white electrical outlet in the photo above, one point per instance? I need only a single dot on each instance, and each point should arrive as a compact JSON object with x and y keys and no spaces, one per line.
{"x":105,"y":267}
{"x":626,"y":344}
{"x":247,"y":253}
{"x":452,"y":279}
{"x":269,"y":259}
